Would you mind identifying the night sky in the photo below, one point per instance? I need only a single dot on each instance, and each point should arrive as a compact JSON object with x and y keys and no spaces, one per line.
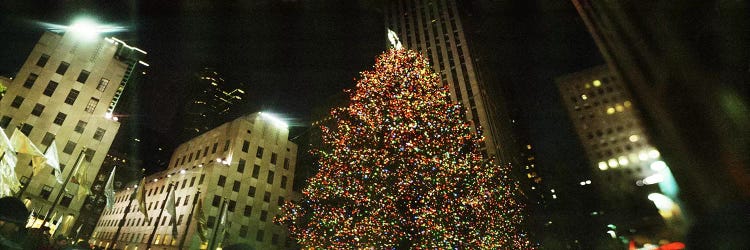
{"x":293,"y":55}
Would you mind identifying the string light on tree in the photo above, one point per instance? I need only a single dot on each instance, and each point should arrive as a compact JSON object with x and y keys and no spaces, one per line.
{"x":402,"y":169}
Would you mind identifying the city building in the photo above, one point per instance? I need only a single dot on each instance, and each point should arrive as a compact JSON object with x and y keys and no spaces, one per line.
{"x":434,"y":28}
{"x":689,"y":74}
{"x":627,"y":167}
{"x":248,"y":162}
{"x":215,"y":101}
{"x":66,"y":91}
{"x":95,"y":203}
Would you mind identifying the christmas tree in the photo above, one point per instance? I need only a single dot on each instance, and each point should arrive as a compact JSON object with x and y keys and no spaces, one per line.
{"x":402,"y":169}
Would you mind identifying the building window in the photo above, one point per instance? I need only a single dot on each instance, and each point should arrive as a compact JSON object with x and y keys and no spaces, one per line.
{"x":210,"y":221}
{"x":60,"y":118}
{"x":46,"y":191}
{"x":222,"y":180}
{"x":38,"y":109}
{"x":183,"y":184}
{"x":280,"y":202}
{"x":47,"y":140}
{"x":26,"y":129}
{"x":83,"y":76}
{"x":30,"y":80}
{"x":251,"y":191}
{"x":201,"y":179}
{"x":102,"y":84}
{"x":42,"y":60}
{"x":213,"y":150}
{"x":243,"y":231}
{"x":69,"y":147}
{"x":89,"y":154}
{"x":17,"y":102}
{"x":275,"y":239}
{"x":248,"y":211}
{"x":91,"y":105}
{"x":226,"y":146}
{"x":267,"y":196}
{"x":179,"y":221}
{"x":192,"y":181}
{"x":269,"y":179}
{"x":286,"y":163}
{"x":216,"y":201}
{"x":259,"y":153}
{"x":256,"y":171}
{"x":263,"y":215}
{"x":99,"y":134}
{"x":283,"y":182}
{"x":230,"y":205}
{"x":273,"y":158}
{"x":259,"y":235}
{"x":5,"y":121}
{"x":236,"y":186}
{"x":241,"y":166}
{"x":80,"y":126}
{"x":245,"y":146}
{"x":72,"y":96}
{"x":66,"y":199}
{"x":62,"y":68}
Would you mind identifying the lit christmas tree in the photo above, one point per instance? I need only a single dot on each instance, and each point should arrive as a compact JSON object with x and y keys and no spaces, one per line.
{"x":402,"y":169}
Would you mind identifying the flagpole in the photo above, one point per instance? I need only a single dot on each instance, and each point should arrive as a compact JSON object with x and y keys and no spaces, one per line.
{"x":67,"y":179}
{"x":189,"y":219}
{"x":216,"y":226}
{"x":156,"y":226}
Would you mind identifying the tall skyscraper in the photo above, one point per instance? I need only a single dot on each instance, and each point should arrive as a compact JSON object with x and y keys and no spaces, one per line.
{"x":689,"y":74}
{"x":629,"y":171}
{"x":66,"y":91}
{"x":213,"y":103}
{"x":434,"y":28}
{"x":248,"y":162}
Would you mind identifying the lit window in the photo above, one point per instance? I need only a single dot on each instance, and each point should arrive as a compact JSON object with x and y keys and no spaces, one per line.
{"x":612,"y":163}
{"x":634,"y":138}
{"x":623,"y":161}
{"x":619,"y":108}
{"x":610,"y":110}
{"x":597,"y":83}
{"x":91,"y":106}
{"x":654,"y":153}
{"x":603,"y":165}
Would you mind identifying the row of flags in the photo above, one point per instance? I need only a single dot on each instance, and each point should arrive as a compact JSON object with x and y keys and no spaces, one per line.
{"x":19,"y":143}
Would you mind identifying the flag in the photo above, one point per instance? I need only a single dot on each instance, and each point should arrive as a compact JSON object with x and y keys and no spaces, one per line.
{"x":9,"y":183}
{"x":53,"y":161}
{"x":80,"y":177}
{"x":172,"y":212}
{"x":140,"y":196}
{"x":109,"y":190}
{"x":201,"y":225}
{"x":23,"y":145}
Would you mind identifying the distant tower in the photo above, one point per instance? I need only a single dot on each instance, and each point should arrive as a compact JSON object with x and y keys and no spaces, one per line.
{"x":434,"y":28}
{"x":626,"y":165}
{"x":212,"y":105}
{"x":248,"y":161}
{"x":66,"y":90}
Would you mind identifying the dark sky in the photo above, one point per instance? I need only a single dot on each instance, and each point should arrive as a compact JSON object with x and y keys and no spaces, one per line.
{"x":295,"y":54}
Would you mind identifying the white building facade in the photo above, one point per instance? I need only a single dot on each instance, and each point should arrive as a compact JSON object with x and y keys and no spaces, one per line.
{"x":248,"y":162}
